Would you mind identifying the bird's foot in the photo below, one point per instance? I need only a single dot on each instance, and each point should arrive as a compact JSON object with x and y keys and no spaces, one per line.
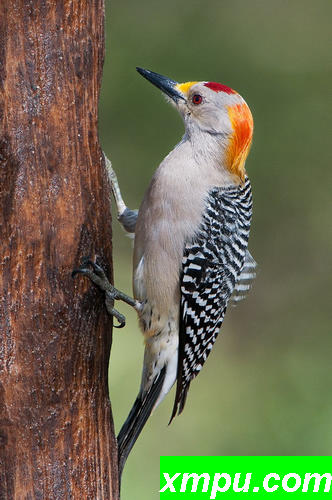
{"x":97,"y":275}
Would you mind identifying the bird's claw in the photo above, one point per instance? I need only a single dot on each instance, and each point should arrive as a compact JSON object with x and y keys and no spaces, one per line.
{"x":85,"y":269}
{"x":99,"y":278}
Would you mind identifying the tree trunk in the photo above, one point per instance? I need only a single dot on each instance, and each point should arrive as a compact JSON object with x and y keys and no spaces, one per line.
{"x":56,"y":432}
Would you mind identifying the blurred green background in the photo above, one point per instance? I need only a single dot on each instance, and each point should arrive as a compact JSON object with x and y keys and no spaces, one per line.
{"x":266,"y":389}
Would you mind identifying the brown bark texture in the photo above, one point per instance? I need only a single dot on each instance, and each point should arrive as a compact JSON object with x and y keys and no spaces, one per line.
{"x":56,"y":432}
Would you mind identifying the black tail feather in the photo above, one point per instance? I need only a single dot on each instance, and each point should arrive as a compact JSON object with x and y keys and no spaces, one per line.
{"x":137,"y":418}
{"x":180,"y":400}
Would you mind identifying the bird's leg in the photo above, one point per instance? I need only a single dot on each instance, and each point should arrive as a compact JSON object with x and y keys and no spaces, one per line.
{"x":126,"y":216}
{"x":93,"y":271}
{"x":120,"y":204}
{"x":97,"y":275}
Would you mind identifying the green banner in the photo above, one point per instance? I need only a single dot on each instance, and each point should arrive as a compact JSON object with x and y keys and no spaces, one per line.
{"x":257,"y":477}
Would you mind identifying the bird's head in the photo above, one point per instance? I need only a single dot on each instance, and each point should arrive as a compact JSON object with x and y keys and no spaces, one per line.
{"x":213,"y":109}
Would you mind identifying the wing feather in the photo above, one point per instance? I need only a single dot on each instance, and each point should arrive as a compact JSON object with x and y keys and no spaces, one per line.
{"x":245,"y":280}
{"x":211,"y":266}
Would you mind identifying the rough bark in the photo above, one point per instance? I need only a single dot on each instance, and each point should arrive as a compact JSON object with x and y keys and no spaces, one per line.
{"x":56,"y":432}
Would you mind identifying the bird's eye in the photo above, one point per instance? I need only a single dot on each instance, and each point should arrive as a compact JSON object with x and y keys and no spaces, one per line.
{"x":197,"y":99}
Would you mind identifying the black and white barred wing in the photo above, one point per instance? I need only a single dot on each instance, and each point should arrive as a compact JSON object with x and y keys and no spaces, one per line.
{"x":245,"y":279}
{"x":211,"y":266}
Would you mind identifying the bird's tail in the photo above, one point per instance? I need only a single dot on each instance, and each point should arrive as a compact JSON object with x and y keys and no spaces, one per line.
{"x":137,"y":418}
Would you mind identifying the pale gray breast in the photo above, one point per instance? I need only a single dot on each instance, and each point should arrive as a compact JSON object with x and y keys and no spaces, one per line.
{"x":169,"y":217}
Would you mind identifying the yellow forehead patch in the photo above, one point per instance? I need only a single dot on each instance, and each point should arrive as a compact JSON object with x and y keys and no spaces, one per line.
{"x":185,"y":87}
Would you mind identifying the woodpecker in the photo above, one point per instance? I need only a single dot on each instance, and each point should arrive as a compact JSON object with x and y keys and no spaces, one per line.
{"x":191,"y":255}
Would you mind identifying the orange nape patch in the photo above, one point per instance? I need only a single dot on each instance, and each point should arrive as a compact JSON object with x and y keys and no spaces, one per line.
{"x":185,"y":87}
{"x":243,"y":126}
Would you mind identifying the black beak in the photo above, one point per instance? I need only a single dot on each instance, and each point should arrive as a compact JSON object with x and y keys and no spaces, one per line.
{"x":163,"y":83}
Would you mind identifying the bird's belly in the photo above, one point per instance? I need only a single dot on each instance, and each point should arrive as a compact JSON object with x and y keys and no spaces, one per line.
{"x":155,"y":321}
